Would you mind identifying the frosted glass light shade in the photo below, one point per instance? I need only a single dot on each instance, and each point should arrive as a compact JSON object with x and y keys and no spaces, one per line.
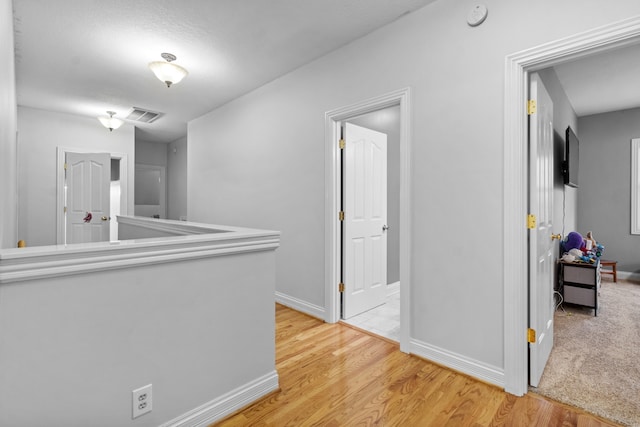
{"x":110,"y":123}
{"x":167,"y":72}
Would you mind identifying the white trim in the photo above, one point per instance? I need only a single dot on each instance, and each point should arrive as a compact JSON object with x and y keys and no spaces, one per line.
{"x":39,"y":262}
{"x":227,"y":404}
{"x":400,"y":97}
{"x":515,"y":254}
{"x":61,"y":154}
{"x":635,"y":186}
{"x":300,"y":305}
{"x":477,"y":369}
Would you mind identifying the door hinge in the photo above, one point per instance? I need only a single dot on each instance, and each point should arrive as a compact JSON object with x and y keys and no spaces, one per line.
{"x":65,"y":166}
{"x":341,"y":287}
{"x":531,"y":336}
{"x":531,"y":221}
{"x":532,"y":107}
{"x":341,"y":215}
{"x":65,"y":209}
{"x":342,"y":144}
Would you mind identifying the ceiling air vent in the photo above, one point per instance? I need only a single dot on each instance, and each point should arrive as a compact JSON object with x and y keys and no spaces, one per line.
{"x":142,"y":115}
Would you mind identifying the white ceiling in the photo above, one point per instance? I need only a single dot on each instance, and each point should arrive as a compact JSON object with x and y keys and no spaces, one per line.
{"x":88,"y":56}
{"x":605,"y":82}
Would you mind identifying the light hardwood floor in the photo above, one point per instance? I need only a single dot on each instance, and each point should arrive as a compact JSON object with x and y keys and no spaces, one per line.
{"x":335,"y":375}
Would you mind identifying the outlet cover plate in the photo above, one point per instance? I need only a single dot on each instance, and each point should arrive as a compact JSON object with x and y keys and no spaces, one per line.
{"x":142,"y":401}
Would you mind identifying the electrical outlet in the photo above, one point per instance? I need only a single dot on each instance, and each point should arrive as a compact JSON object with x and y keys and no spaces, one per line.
{"x":142,"y":401}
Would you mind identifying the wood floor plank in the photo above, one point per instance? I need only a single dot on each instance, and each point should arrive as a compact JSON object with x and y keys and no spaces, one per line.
{"x":372,"y":390}
{"x":334,"y":375}
{"x":329,"y":391}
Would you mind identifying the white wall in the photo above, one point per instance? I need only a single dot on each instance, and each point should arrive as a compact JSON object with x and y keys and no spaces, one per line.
{"x":40,"y":133}
{"x":151,"y":153}
{"x":259,"y":160}
{"x":565,"y":209}
{"x":8,"y":156}
{"x":177,"y":179}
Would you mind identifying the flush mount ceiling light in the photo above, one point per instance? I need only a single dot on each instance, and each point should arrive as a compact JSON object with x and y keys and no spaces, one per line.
{"x":168,"y":72}
{"x":110,"y":122}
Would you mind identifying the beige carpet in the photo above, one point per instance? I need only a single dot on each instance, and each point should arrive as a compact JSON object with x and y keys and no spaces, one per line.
{"x":595,"y":362}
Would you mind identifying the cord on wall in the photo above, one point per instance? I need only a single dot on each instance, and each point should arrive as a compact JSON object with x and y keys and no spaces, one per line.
{"x":564,"y":207}
{"x":560,"y":301}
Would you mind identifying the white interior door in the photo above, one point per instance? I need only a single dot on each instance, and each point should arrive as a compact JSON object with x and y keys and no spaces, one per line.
{"x":541,"y":254}
{"x":88,"y":191}
{"x":364,"y":256}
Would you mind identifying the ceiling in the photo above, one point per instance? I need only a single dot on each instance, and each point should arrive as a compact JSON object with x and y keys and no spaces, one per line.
{"x":86,"y":57}
{"x":604,"y":82}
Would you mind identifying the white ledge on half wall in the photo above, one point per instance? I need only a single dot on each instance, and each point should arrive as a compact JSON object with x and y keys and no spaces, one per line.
{"x":143,"y":241}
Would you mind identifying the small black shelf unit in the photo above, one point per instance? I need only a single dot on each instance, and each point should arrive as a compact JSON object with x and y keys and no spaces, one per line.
{"x":579,"y":283}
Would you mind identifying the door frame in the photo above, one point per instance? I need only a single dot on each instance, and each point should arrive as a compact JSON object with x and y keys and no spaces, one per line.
{"x":515,"y":185}
{"x":61,"y":155}
{"x":333,"y":185}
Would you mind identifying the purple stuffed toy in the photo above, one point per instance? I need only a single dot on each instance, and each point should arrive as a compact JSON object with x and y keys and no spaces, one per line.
{"x":574,"y":241}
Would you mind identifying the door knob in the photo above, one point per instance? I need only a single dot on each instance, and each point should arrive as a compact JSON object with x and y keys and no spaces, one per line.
{"x":104,"y":218}
{"x":385,"y":227}
{"x":556,"y":236}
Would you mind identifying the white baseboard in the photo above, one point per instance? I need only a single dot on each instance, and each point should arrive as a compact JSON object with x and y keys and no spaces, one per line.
{"x":393,"y":288}
{"x":300,"y":305}
{"x":627,"y":275}
{"x":457,"y":362}
{"x":227,"y":404}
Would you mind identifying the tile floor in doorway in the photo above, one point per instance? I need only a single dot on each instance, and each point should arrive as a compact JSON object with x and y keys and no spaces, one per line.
{"x":383,"y":320}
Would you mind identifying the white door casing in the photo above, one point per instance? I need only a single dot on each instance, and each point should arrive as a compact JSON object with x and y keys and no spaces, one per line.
{"x":333,"y":192}
{"x":365,"y":219}
{"x":541,"y":269}
{"x":88,"y":192}
{"x":515,"y":198}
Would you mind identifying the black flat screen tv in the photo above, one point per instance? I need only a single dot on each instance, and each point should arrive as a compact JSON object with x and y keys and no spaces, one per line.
{"x":571,"y":158}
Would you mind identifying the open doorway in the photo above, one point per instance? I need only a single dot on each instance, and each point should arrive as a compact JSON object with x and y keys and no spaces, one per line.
{"x":333,"y":186}
{"x":382,"y":314}
{"x":150,"y":191}
{"x":579,"y":370}
{"x":518,"y":67}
